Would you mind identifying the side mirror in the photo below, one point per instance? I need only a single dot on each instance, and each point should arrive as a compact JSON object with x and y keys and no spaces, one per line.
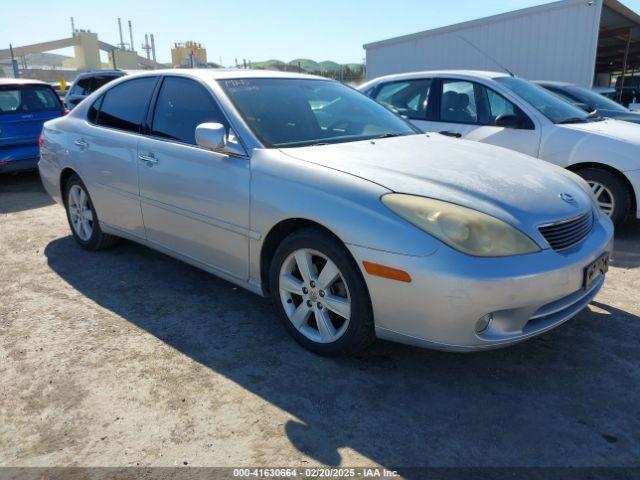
{"x":508,"y":121}
{"x":211,"y":136}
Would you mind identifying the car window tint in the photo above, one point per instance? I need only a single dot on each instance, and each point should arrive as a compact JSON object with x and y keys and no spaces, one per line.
{"x":100,"y":81}
{"x":409,"y":98}
{"x":182,"y":105}
{"x":124,"y":105}
{"x":81,"y":87}
{"x":458,"y":102}
{"x":28,"y":98}
{"x":92,"y":114}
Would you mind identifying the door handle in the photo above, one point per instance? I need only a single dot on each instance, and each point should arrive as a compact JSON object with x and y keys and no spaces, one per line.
{"x":150,"y":160}
{"x":81,"y":144}
{"x":451,"y":134}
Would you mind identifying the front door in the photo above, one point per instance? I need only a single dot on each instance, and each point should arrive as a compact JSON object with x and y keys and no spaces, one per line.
{"x":195,"y":202}
{"x":471,"y":111}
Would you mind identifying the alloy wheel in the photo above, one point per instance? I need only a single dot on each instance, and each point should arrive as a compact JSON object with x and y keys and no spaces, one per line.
{"x":315,"y":295}
{"x":603,"y":196}
{"x":80,"y":213}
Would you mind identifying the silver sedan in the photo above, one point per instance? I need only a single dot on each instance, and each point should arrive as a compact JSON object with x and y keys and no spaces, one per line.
{"x":357,"y":225}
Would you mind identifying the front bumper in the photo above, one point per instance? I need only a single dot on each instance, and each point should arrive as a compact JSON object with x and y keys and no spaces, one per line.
{"x":450,"y":291}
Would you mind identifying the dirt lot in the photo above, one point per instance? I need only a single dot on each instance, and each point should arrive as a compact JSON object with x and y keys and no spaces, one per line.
{"x":127,"y":357}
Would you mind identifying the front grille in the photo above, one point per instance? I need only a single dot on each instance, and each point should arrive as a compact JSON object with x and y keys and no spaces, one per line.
{"x":565,"y":234}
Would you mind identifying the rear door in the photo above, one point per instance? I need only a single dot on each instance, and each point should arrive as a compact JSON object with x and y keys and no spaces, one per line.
{"x":409,"y":98}
{"x":471,"y":110}
{"x":194,"y":201}
{"x":106,"y":152}
{"x":23,"y":111}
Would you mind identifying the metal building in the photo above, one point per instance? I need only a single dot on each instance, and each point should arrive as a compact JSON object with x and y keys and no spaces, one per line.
{"x":578,"y":41}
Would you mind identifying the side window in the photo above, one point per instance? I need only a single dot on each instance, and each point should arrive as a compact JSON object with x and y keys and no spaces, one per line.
{"x":409,"y":98}
{"x":458,"y":102}
{"x":100,"y":81}
{"x":492,"y":106}
{"x":498,"y":105}
{"x":82,"y":87}
{"x":182,"y":105}
{"x":123,"y":106}
{"x":92,"y":114}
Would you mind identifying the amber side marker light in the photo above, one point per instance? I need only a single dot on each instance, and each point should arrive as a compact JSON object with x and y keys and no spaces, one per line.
{"x":386,"y":272}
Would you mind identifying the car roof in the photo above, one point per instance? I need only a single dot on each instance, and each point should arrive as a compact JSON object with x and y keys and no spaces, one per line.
{"x":21,"y":81}
{"x":227,"y":73}
{"x":553,"y":83}
{"x":441,"y":73}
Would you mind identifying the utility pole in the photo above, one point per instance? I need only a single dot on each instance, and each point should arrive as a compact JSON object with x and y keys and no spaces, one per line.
{"x":14,"y":63}
{"x":130,"y":36}
{"x":121,"y":45}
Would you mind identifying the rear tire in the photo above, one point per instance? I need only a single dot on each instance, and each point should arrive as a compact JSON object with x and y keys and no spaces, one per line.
{"x":82,"y":216}
{"x":326,"y":307}
{"x":611,"y":191}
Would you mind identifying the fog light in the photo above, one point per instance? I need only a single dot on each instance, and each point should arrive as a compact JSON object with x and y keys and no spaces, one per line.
{"x":483,"y":322}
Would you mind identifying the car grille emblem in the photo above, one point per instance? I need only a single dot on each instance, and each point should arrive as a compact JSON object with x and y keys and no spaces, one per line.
{"x":568,"y":198}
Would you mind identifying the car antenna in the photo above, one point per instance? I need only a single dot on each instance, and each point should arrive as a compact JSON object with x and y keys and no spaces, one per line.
{"x":487,"y":55}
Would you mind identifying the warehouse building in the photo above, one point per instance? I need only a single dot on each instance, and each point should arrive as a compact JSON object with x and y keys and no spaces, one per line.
{"x":585,"y":42}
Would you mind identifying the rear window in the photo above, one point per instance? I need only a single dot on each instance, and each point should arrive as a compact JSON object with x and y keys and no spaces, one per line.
{"x":28,"y":98}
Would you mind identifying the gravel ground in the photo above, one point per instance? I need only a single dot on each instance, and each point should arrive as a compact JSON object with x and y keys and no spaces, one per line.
{"x":127,"y":357}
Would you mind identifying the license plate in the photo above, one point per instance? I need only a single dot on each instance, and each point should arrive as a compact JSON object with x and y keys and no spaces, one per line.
{"x":593,"y":271}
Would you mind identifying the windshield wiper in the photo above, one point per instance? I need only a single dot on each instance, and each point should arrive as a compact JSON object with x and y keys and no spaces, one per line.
{"x":572,"y":120}
{"x":390,"y":135}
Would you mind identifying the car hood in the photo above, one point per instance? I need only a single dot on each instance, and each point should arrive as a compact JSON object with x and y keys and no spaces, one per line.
{"x":611,"y":128}
{"x":516,"y":188}
{"x":625,"y":116}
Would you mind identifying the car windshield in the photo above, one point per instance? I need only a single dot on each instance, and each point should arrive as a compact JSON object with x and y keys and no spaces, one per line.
{"x":291,"y":112}
{"x":550,"y":105}
{"x":595,"y":100}
{"x":28,"y":98}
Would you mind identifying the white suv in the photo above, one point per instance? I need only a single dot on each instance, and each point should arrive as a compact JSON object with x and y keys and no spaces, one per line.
{"x":510,"y":112}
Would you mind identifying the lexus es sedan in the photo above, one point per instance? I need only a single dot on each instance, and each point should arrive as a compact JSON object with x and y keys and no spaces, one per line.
{"x":511,"y":112}
{"x":305,"y":190}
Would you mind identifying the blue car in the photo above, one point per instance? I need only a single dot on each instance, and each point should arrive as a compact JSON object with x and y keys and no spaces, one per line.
{"x":24,"y":107}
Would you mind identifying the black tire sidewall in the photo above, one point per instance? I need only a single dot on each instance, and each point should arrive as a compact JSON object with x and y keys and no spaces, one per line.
{"x":616,"y":186}
{"x":360,"y":331}
{"x":94,"y":240}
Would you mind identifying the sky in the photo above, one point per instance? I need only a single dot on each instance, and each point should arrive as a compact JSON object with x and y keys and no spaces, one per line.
{"x":255,"y":30}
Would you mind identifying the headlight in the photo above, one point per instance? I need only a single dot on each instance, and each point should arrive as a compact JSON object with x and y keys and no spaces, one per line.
{"x":464,"y":229}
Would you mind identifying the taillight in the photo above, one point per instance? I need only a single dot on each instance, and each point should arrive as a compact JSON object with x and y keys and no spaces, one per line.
{"x":66,"y":112}
{"x":40,"y":140}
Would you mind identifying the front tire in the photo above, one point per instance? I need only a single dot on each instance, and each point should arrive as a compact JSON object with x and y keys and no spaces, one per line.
{"x":321,"y":295}
{"x":610,"y":190}
{"x":82,"y":216}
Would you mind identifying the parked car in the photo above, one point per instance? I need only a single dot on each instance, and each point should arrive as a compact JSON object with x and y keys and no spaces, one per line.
{"x":590,"y":102}
{"x":609,"y":92}
{"x":87,"y":83}
{"x":510,"y":112}
{"x":356,"y":224}
{"x":24,"y":107}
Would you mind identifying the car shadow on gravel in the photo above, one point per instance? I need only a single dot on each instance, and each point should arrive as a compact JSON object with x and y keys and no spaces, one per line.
{"x":568,"y":398}
{"x":22,"y":191}
{"x":627,"y":245}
